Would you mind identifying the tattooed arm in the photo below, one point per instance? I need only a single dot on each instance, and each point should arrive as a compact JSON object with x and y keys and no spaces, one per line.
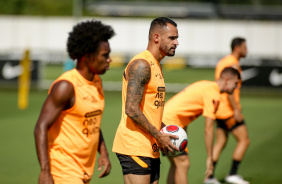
{"x":138,"y":75}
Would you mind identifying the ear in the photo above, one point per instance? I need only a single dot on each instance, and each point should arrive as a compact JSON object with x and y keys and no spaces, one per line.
{"x":237,"y":48}
{"x":156,"y":38}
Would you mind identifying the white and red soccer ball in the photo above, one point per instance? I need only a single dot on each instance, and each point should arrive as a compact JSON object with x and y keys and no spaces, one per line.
{"x":181,"y":142}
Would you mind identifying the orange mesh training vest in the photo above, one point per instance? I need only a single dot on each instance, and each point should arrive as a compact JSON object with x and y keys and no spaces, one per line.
{"x":199,"y":98}
{"x":225,"y":109}
{"x":74,"y":137}
{"x":130,"y":139}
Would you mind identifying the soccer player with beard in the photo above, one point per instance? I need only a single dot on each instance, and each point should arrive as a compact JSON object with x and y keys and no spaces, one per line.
{"x":138,"y":138}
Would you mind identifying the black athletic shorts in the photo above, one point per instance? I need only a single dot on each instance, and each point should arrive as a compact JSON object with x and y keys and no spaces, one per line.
{"x":140,"y":166}
{"x":228,"y":124}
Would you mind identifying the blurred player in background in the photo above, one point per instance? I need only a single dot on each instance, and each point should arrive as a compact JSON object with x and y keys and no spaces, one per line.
{"x":138,"y":138}
{"x":229,"y":116}
{"x":67,"y":133}
{"x":199,"y":98}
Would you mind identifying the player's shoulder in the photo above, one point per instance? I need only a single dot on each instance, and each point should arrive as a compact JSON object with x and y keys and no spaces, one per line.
{"x":206,"y":86}
{"x":142,"y":55}
{"x":138,"y":65}
{"x":199,"y":86}
{"x":63,"y":89}
{"x":229,"y":59}
{"x":139,"y":61}
{"x":67,"y":75}
{"x":204,"y":83}
{"x":64,"y":79}
{"x":142,"y":59}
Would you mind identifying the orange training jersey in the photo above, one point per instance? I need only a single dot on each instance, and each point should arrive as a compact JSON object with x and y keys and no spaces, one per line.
{"x":130,"y":138}
{"x":225,"y":110}
{"x":199,"y":98}
{"x":74,"y":137}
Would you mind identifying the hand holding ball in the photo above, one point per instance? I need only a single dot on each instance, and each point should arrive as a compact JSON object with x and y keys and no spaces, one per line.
{"x":181,"y":142}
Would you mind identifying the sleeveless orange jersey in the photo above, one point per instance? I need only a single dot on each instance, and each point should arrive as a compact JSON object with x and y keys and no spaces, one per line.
{"x":225,"y":109}
{"x":74,"y":137}
{"x":199,"y":98}
{"x":130,"y":138}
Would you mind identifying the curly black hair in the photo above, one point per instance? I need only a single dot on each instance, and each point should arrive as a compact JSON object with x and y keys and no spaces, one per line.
{"x":85,"y":38}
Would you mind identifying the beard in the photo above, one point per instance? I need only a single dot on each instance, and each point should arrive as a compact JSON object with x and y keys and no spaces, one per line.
{"x":171,"y":53}
{"x":243,"y":55}
{"x":168,"y":51}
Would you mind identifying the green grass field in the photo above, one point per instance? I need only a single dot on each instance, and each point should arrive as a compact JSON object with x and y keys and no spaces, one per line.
{"x":262,"y":163}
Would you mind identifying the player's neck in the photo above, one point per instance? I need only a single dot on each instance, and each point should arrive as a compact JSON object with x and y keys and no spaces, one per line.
{"x":85,"y":72}
{"x":236,"y":55}
{"x":155,"y":52}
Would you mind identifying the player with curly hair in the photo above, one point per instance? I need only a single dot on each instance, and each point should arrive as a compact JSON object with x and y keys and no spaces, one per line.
{"x":67,"y":133}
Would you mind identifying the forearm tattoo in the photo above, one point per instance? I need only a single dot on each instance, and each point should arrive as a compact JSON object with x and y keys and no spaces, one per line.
{"x":139,"y":74}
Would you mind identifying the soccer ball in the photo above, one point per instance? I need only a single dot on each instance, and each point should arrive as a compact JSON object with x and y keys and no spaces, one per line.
{"x":181,"y":142}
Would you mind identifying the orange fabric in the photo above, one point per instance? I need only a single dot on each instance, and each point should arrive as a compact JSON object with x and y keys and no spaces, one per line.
{"x":225,"y":109}
{"x":68,"y":180}
{"x":230,"y":123}
{"x":199,"y":98}
{"x":74,"y":137}
{"x":186,"y":150}
{"x":131,"y":139}
{"x":139,"y":161}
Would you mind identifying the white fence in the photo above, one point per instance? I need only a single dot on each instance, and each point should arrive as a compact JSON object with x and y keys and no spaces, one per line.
{"x":46,"y":37}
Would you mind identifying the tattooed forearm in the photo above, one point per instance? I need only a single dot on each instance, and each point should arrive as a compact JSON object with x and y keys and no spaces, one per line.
{"x":139,"y":74}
